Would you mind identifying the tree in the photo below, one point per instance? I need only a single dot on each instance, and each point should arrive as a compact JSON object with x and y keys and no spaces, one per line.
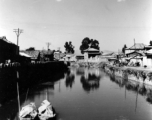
{"x":123,"y":49}
{"x":86,"y":43}
{"x":150,"y":43}
{"x":95,"y":44}
{"x":30,"y":49}
{"x":69,"y":48}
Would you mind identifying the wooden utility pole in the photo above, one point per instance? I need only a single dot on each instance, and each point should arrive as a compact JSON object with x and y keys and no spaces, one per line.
{"x":48,"y":44}
{"x":18,"y":32}
{"x":134,"y":41}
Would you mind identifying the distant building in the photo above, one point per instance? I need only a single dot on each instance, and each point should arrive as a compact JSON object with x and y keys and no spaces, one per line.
{"x":140,"y":47}
{"x":57,"y":55}
{"x":92,"y":52}
{"x":78,"y":55}
{"x":46,"y":55}
{"x":8,"y":50}
{"x":34,"y":54}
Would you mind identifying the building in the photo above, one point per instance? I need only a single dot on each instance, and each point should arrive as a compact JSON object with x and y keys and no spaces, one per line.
{"x":46,"y":55}
{"x":92,"y":52}
{"x":34,"y":54}
{"x":8,"y":50}
{"x":140,"y":47}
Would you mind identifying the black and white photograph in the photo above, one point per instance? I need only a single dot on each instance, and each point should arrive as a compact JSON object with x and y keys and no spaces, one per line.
{"x":75,"y":59}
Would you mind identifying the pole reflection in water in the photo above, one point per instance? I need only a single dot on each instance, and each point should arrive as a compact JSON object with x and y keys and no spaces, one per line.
{"x":93,"y":95}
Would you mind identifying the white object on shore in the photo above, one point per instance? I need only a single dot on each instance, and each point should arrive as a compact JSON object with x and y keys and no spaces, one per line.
{"x":28,"y":111}
{"x":45,"y":111}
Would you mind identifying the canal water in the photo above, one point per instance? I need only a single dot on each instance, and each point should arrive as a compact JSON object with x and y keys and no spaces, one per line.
{"x":88,"y":94}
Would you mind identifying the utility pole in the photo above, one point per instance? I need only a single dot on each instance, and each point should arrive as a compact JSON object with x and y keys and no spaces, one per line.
{"x":48,"y":44}
{"x":18,"y":32}
{"x":134,"y":41}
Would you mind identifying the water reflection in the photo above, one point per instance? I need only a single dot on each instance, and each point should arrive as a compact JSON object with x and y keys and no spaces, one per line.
{"x":69,"y":79}
{"x":80,"y":71}
{"x":136,"y":87}
{"x":132,"y":101}
{"x":90,"y":79}
{"x":149,"y":97}
{"x":43,"y":81}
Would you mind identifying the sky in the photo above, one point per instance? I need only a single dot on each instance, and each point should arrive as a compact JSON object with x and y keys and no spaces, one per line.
{"x":112,"y":22}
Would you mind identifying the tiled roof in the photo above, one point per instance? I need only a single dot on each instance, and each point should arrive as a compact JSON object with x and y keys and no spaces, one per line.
{"x":137,"y":46}
{"x":149,"y":51}
{"x":46,"y":52}
{"x":107,"y":53}
{"x":33,"y":53}
{"x":138,"y":52}
{"x":4,"y":39}
{"x":24,"y":54}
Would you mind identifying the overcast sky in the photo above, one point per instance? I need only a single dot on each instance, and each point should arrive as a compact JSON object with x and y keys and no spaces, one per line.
{"x":112,"y":22}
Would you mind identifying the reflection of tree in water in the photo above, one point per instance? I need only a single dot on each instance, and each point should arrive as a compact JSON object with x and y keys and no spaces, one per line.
{"x":135,"y":87}
{"x":142,"y":90}
{"x":69,"y":79}
{"x":118,"y":80}
{"x":149,"y":97}
{"x":90,"y":83}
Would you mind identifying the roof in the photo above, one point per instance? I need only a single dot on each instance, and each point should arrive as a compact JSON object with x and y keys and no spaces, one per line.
{"x":34,"y":53}
{"x":24,"y":54}
{"x":107,"y":54}
{"x":138,"y":52}
{"x":46,"y":52}
{"x":91,"y":49}
{"x":139,"y":46}
{"x":4,"y":39}
{"x":149,"y":51}
{"x":148,"y":47}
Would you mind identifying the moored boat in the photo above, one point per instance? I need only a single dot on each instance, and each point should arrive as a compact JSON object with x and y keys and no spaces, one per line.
{"x":28,"y":112}
{"x":46,"y":111}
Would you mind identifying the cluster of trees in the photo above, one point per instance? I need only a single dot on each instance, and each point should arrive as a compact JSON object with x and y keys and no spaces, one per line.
{"x":89,"y":43}
{"x":69,"y":48}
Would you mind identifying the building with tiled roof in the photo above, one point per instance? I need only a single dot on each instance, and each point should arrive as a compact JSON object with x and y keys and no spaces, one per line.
{"x":92,"y":52}
{"x":35,"y":54}
{"x":137,"y":46}
{"x":140,"y":47}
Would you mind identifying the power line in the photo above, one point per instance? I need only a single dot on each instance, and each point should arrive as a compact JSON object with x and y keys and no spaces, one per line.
{"x":18,"y":32}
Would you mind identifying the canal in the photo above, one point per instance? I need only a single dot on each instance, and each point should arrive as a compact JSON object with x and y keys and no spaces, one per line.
{"x":88,"y":94}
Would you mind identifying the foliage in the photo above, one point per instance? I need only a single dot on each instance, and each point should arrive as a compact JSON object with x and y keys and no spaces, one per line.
{"x":30,"y":49}
{"x":69,"y":47}
{"x":123,"y":49}
{"x":87,"y":42}
{"x":150,"y":43}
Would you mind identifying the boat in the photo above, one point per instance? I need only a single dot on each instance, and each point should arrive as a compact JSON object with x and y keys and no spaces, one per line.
{"x":46,"y":111}
{"x":28,"y":112}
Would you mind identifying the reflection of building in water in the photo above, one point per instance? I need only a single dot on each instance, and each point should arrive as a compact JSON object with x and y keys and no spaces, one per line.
{"x":95,"y":72}
{"x":90,"y":79}
{"x":69,"y":79}
{"x":80,"y":71}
